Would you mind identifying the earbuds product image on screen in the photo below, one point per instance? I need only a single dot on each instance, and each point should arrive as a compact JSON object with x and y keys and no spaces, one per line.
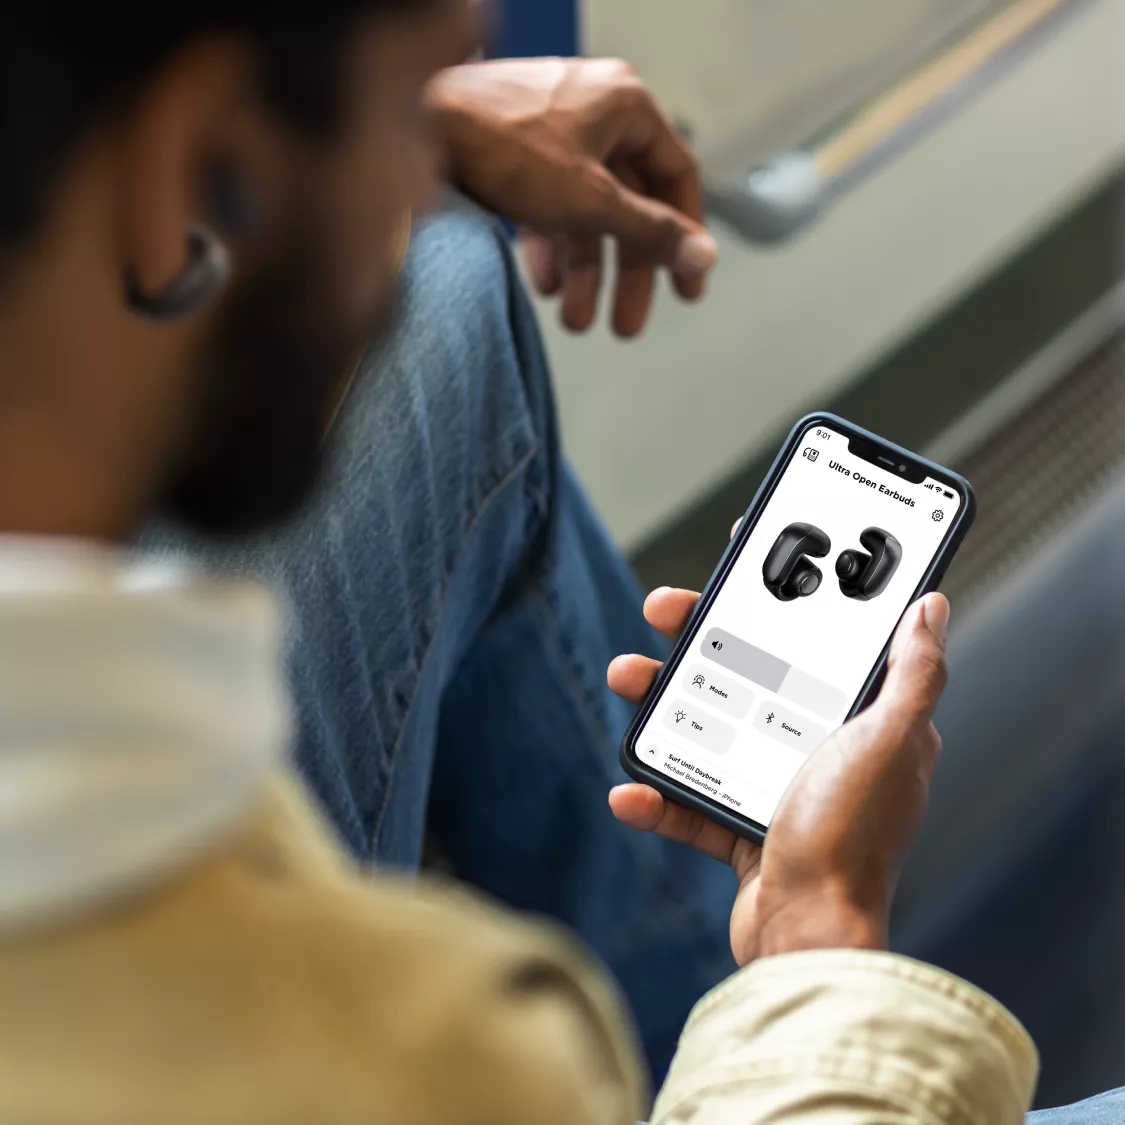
{"x":864,"y":576}
{"x":787,"y":572}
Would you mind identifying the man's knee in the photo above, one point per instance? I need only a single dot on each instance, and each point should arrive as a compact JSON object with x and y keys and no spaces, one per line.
{"x":461,"y":308}
{"x":457,"y":397}
{"x":459,"y":267}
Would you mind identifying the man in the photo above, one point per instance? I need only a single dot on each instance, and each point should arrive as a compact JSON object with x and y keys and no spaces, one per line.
{"x":449,"y":671}
{"x":180,"y":941}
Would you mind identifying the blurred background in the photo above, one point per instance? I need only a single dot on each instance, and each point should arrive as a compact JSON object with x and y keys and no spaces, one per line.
{"x":921,"y":210}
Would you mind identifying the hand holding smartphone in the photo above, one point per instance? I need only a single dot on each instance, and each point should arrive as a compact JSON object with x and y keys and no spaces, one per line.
{"x":825,"y":876}
{"x":791,"y":636}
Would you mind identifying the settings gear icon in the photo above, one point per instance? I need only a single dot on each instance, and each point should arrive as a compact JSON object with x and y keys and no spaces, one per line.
{"x":938,"y":515}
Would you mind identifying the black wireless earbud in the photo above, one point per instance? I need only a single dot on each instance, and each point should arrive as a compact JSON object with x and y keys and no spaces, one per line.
{"x":207,"y":269}
{"x":787,"y":571}
{"x":865,"y":576}
{"x":204,"y":275}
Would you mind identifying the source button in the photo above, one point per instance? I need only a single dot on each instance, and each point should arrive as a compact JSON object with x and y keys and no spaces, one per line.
{"x":789,"y":727}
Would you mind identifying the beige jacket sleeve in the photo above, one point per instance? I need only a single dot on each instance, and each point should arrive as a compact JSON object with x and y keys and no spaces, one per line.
{"x":844,"y":1038}
{"x":520,"y":1028}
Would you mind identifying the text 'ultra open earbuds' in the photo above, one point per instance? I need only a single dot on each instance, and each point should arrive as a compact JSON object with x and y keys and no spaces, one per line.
{"x":864,"y":576}
{"x":788,"y":573}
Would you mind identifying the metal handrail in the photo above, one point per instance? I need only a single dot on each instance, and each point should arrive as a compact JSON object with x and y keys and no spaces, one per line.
{"x":778,"y":200}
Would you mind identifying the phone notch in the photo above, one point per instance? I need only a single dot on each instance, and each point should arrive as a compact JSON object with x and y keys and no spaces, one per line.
{"x":899,"y":464}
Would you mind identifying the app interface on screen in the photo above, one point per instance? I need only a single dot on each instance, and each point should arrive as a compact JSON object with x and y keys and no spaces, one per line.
{"x":782,"y":654}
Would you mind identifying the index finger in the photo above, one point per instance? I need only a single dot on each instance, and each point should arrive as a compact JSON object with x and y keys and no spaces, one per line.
{"x":668,"y":610}
{"x":657,"y":152}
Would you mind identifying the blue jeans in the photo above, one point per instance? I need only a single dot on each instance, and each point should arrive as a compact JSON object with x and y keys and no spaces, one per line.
{"x":455,"y":602}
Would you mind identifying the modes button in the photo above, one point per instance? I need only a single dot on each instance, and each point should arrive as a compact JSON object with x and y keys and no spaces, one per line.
{"x":716,"y":690}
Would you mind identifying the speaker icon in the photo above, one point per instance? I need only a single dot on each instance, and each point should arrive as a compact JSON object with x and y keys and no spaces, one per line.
{"x":717,"y":646}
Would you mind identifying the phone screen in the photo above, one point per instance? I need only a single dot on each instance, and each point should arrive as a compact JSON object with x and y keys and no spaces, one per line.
{"x":778,"y":660}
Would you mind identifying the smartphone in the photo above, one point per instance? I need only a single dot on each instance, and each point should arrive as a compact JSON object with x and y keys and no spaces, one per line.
{"x":791,"y":635}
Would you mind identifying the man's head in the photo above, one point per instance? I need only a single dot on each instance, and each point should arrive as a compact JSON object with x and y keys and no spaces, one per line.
{"x":293,"y":146}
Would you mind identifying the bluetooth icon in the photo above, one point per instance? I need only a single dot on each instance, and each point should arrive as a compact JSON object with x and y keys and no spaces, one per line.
{"x":770,"y":718}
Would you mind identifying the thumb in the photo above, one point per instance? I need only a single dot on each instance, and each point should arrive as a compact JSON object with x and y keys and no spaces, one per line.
{"x":916,"y":671}
{"x":656,"y":233}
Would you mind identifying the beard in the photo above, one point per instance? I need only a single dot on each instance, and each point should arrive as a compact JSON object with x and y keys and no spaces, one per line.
{"x":273,"y":376}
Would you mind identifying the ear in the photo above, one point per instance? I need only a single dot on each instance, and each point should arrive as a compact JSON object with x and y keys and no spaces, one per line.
{"x":176,"y":131}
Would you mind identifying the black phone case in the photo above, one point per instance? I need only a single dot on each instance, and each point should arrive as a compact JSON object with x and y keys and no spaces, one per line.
{"x":688,"y":798}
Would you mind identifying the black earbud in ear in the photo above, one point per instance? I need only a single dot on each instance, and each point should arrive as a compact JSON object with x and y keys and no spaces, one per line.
{"x":231,"y":211}
{"x":206,"y":272}
{"x":788,"y":572}
{"x":864,"y":576}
